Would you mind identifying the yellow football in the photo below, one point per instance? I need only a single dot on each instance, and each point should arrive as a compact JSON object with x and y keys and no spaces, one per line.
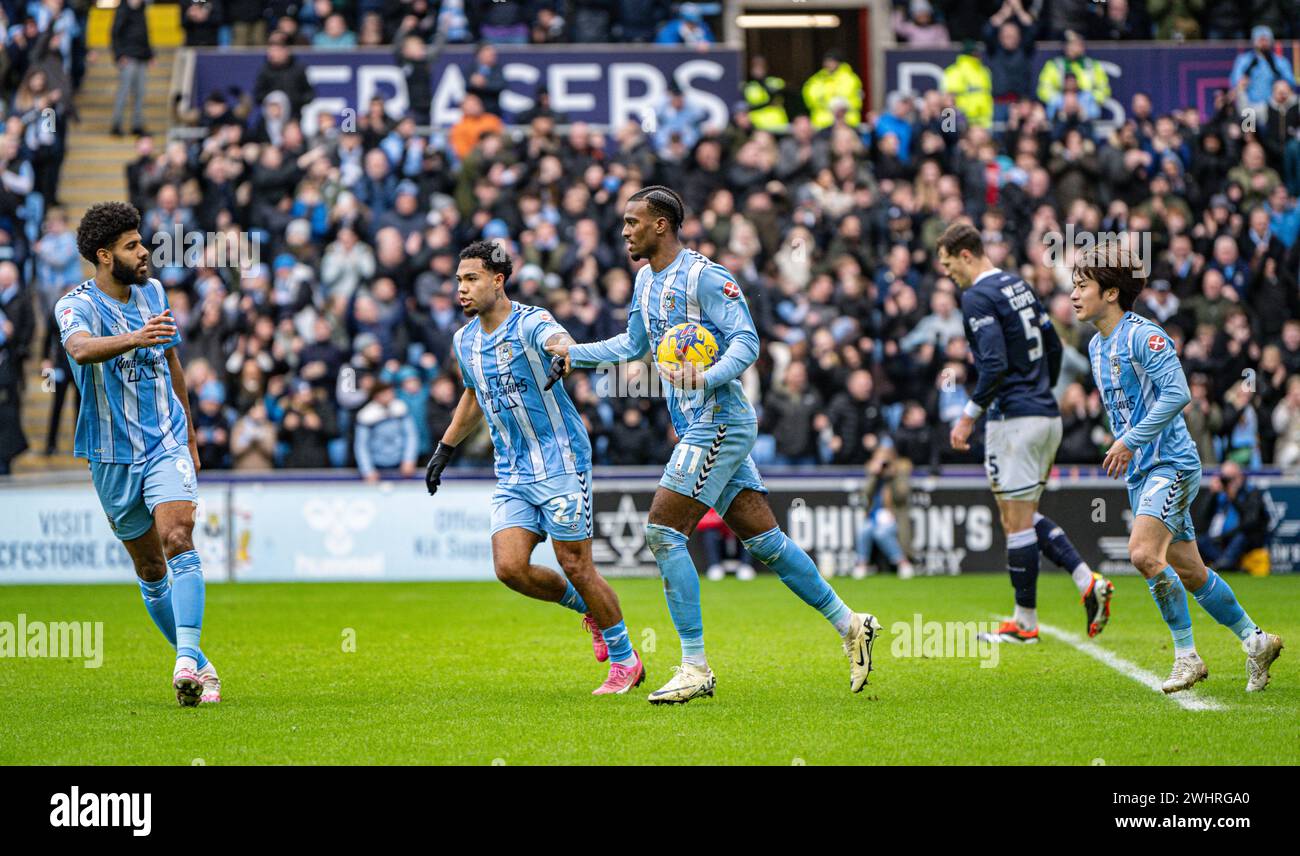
{"x":689,"y":342}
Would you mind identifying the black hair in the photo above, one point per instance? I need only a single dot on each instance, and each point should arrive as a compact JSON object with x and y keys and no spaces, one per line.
{"x":662,"y":202}
{"x":493,"y":255}
{"x":1111,"y":265}
{"x":101,"y":226}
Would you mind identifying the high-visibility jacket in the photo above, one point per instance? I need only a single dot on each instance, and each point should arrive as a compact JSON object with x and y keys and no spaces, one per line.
{"x":766,"y":100}
{"x":1091,"y":76}
{"x":825,"y":86}
{"x":970,"y":83}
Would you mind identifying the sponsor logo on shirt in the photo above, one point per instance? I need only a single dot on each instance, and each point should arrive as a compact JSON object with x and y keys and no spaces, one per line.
{"x":977,"y":324}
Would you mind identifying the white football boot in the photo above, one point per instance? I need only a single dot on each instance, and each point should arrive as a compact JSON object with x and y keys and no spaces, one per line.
{"x":688,"y":682}
{"x":1257,"y":676}
{"x":1186,"y":672}
{"x":857,"y":646}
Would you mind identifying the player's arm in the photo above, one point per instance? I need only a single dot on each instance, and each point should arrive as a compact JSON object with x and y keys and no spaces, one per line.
{"x":85,"y":349}
{"x":1053,"y":349}
{"x":1170,"y":385}
{"x":727,"y":308}
{"x":182,"y":393}
{"x":989,"y":348}
{"x":463,"y":422}
{"x":625,"y":347}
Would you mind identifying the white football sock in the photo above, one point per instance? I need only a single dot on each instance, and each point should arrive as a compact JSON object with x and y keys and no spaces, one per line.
{"x":1027,"y":618}
{"x":1255,"y":642}
{"x":1082,"y":577}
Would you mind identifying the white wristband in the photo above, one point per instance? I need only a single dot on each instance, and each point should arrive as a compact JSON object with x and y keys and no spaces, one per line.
{"x":973,"y":410}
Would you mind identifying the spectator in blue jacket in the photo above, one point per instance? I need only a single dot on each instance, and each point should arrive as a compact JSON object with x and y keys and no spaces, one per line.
{"x":58,"y":264}
{"x":387,"y":436}
{"x":1254,"y":71}
{"x":687,"y":28}
{"x":678,"y":116}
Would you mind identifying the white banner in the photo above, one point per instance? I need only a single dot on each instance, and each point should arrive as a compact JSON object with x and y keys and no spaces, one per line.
{"x":357,"y":531}
{"x":59,"y":534}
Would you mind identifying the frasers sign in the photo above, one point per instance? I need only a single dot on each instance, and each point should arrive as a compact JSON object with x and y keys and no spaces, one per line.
{"x":598,"y":85}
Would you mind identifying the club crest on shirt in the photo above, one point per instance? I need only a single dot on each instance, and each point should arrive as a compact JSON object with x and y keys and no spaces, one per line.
{"x":505,"y":353}
{"x":1114,"y":368}
{"x":731,"y":290}
{"x":1156,"y":342}
{"x":670,"y":300}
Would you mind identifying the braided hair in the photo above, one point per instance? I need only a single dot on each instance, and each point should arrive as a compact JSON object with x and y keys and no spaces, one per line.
{"x":662,"y":202}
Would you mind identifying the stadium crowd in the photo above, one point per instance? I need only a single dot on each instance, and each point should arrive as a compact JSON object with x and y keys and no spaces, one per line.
{"x":333,"y":348}
{"x":42,"y":62}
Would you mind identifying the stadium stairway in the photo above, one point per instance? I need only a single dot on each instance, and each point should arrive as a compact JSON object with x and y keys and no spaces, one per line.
{"x":94,"y":170}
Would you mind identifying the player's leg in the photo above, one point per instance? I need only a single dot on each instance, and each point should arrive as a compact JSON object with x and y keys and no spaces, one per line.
{"x":1149,"y":551}
{"x":155,"y":582}
{"x":516,"y":531}
{"x":512,"y":550}
{"x":745,"y":508}
{"x":170,"y":492}
{"x":175,"y":525}
{"x":1017,"y":517}
{"x":625,"y":669}
{"x":519,"y":523}
{"x":1014,"y":475}
{"x":563,"y":506}
{"x":671,"y":521}
{"x":1217,"y":598}
{"x":129,"y":493}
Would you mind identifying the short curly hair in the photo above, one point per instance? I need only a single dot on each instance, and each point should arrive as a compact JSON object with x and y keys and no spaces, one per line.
{"x":495,"y":257}
{"x":101,"y":226}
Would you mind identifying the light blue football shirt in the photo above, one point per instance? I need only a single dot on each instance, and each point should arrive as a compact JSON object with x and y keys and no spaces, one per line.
{"x":1144,"y":391}
{"x":693,"y":289}
{"x":129,"y":411}
{"x":536,"y":433}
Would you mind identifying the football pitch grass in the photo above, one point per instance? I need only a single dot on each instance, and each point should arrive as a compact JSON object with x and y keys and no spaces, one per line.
{"x":471,"y":673}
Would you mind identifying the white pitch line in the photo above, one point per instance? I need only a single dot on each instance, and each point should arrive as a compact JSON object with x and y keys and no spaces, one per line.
{"x":1187,"y":699}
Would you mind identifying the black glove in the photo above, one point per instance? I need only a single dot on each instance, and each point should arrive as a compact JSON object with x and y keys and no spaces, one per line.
{"x":557,"y":372}
{"x":437,"y":463}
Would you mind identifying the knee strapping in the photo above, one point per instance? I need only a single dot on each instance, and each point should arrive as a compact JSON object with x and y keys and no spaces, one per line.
{"x":661,"y":539}
{"x":768,"y":546}
{"x":184,"y":563}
